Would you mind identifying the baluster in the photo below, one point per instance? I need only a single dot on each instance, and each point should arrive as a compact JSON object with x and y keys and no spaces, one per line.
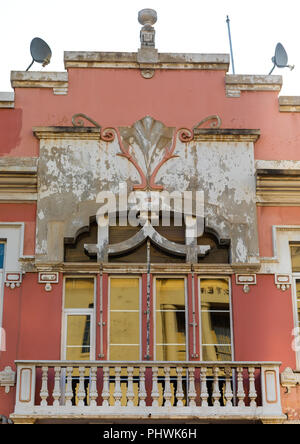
{"x":56,"y":391}
{"x":216,"y":391}
{"x":105,"y":392}
{"x":192,"y":390}
{"x":93,"y":387}
{"x":240,"y":387}
{"x":155,"y":392}
{"x":252,"y":390}
{"x":142,"y":388}
{"x":167,"y":392}
{"x":44,"y":389}
{"x":118,"y":392}
{"x":228,"y":389}
{"x":179,"y":392}
{"x":204,"y":393}
{"x":130,"y":392}
{"x":81,"y":390}
{"x":69,"y":390}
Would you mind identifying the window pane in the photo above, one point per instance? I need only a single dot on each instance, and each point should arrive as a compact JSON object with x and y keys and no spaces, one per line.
{"x":76,"y":354}
{"x":170,"y":320}
{"x":216,"y":353}
{"x":170,"y":294}
{"x":215,"y":327}
{"x":124,"y":328}
{"x":171,"y":352}
{"x":170,"y":327}
{"x":78,"y":330}
{"x":215,"y":320}
{"x":124,"y":319}
{"x":214,"y":294}
{"x":295,"y":254}
{"x":1,"y":256}
{"x":124,"y":294}
{"x":124,"y":353}
{"x":79,"y":293}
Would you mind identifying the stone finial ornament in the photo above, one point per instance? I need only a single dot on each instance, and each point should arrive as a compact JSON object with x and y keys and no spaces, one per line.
{"x":147,"y":18}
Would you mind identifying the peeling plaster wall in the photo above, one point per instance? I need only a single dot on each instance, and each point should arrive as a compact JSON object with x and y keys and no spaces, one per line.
{"x":72,"y":173}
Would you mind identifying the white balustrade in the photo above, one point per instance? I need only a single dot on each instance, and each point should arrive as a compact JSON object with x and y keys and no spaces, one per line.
{"x":147,"y":389}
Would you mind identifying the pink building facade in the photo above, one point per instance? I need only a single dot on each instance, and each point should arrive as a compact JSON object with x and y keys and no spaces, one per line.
{"x":149,"y":322}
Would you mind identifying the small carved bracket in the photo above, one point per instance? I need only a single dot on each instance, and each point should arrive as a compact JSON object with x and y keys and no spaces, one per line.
{"x":289,"y":379}
{"x":48,"y":278}
{"x":13,"y":279}
{"x":246,"y":280}
{"x":283,"y":281}
{"x":7,"y":378}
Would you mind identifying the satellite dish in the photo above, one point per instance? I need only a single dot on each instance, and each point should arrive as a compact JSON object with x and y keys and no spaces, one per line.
{"x":280,"y":58}
{"x":40,"y":52}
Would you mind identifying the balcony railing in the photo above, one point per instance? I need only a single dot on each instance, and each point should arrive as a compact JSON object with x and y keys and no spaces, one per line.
{"x":147,"y":390}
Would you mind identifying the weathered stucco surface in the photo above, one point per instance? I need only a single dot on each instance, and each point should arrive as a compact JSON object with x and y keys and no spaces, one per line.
{"x":72,"y":172}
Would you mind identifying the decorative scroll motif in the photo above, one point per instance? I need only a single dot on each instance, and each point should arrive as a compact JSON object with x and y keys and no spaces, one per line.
{"x":187,"y":135}
{"x":215,"y":124}
{"x":77,"y":120}
{"x":148,"y":144}
{"x":149,"y":232}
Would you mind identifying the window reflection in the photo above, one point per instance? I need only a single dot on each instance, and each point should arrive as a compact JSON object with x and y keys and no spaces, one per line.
{"x":295,"y":256}
{"x":78,"y":337}
{"x":78,"y":306}
{"x":170,"y":319}
{"x":215,"y":320}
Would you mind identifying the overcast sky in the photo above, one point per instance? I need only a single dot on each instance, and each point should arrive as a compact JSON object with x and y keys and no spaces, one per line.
{"x":183,"y":26}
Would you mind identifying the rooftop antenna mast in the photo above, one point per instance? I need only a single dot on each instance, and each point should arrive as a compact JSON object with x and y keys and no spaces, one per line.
{"x":230,"y":44}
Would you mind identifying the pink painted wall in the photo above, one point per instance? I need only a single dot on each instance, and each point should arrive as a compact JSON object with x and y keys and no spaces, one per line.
{"x":32,"y":322}
{"x":263,"y":323}
{"x":269,"y":216}
{"x":119,"y":97}
{"x":21,"y":212}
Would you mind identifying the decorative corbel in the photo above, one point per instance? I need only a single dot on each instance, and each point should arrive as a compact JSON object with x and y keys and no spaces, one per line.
{"x":13,"y":279}
{"x":246,"y":280}
{"x":48,"y":279}
{"x":283,"y":281}
{"x":7,"y":378}
{"x":289,"y":379}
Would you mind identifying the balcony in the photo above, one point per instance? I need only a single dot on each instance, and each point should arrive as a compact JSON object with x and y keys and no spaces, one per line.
{"x":147,"y":391}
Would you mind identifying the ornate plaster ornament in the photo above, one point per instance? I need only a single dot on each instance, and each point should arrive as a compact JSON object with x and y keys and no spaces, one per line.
{"x":7,"y":378}
{"x":148,"y":144}
{"x":283,"y":281}
{"x":246,"y":280}
{"x":13,"y":279}
{"x":48,"y":278}
{"x":289,"y":379}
